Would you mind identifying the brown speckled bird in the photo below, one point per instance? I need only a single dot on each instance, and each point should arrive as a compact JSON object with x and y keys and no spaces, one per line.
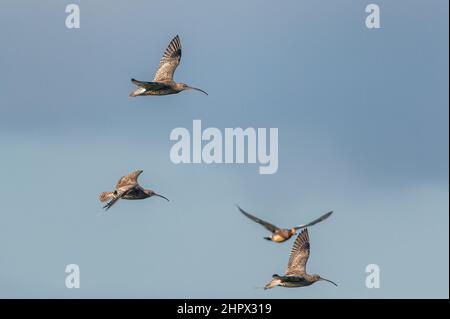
{"x":163,"y":83}
{"x":296,"y":275}
{"x":280,"y":235}
{"x":127,"y":188}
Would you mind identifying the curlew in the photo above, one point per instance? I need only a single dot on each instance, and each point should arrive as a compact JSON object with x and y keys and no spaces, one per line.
{"x":296,"y":275}
{"x":280,"y":235}
{"x":163,"y":83}
{"x":127,"y":188}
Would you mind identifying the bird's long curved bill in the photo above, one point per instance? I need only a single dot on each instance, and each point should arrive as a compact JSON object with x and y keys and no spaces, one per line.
{"x":315,"y":221}
{"x":162,"y":196}
{"x":193,"y":88}
{"x":328,"y":281}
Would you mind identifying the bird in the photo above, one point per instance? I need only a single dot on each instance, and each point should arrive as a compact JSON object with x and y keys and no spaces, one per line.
{"x":127,"y":188}
{"x":280,"y":235}
{"x":296,"y":275}
{"x":163,"y":83}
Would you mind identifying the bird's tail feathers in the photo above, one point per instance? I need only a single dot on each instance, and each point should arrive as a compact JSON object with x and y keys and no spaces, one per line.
{"x":137,"y":92}
{"x":106,"y":196}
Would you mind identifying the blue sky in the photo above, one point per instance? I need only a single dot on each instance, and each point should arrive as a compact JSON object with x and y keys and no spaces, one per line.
{"x":363,"y":130}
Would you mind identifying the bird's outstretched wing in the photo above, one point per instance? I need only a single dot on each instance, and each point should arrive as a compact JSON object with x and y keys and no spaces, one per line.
{"x":169,"y":61}
{"x":128,"y":180}
{"x":315,"y":221}
{"x":118,"y":194}
{"x":299,"y":255}
{"x":268,"y":226}
{"x":150,"y":85}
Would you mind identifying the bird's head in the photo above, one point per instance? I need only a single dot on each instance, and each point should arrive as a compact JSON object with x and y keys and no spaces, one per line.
{"x":184,"y":86}
{"x":151,"y":193}
{"x":293,"y":231}
{"x":318,"y":278}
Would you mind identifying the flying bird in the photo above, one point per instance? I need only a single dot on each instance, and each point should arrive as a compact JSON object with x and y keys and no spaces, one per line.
{"x":127,"y":188}
{"x":163,"y":83}
{"x":280,"y":235}
{"x":296,"y":275}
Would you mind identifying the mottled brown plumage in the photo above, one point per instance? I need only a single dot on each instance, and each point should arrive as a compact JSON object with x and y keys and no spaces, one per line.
{"x":299,"y":255}
{"x":296,"y":275}
{"x":127,"y":188}
{"x":163,"y":83}
{"x":280,"y":235}
{"x":169,"y":61}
